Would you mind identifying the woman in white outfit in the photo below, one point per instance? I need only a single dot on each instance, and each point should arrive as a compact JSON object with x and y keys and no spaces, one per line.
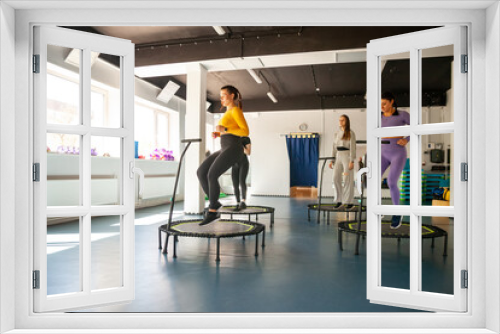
{"x":344,"y":151}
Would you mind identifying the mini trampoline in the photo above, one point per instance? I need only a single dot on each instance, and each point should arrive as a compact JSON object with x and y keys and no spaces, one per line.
{"x":403,"y":232}
{"x":329,"y":207}
{"x":221,"y":228}
{"x":250,"y":210}
{"x":326,"y":208}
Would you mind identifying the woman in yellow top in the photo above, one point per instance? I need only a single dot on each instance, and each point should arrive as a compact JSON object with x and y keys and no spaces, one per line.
{"x":232,"y":126}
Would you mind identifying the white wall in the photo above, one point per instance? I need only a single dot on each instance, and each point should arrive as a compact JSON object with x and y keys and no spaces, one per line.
{"x":7,"y":158}
{"x":492,"y":209}
{"x":270,"y":170}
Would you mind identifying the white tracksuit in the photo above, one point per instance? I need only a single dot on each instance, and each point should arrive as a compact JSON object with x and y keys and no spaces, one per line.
{"x":341,"y":167}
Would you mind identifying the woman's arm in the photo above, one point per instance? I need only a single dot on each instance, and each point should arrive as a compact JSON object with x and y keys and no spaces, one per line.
{"x":247,"y":149}
{"x":242,"y":129}
{"x":353,"y":146}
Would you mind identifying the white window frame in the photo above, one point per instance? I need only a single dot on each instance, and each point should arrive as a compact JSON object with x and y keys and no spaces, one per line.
{"x":125,"y":209}
{"x":93,"y":88}
{"x":475,"y":320}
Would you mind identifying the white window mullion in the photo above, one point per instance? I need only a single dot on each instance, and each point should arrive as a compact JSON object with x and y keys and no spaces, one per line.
{"x":86,"y":176}
{"x":415,"y":170}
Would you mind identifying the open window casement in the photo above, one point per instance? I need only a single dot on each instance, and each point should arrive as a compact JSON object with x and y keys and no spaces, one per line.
{"x":72,"y":125}
{"x":432,"y":138}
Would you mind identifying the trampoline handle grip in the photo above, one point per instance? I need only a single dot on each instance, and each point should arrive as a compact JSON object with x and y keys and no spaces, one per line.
{"x":194,"y":140}
{"x":360,"y":173}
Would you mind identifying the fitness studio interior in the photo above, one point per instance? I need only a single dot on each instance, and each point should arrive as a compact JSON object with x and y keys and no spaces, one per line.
{"x":296,"y":82}
{"x":107,"y":110}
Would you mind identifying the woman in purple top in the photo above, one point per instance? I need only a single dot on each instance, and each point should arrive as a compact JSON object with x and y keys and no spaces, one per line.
{"x":393,"y":149}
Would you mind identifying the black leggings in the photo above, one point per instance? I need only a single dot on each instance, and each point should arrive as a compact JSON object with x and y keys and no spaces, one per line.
{"x":239,"y":174}
{"x":216,"y":164}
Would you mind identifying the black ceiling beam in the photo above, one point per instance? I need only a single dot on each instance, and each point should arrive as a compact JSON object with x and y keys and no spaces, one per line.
{"x":250,"y":44}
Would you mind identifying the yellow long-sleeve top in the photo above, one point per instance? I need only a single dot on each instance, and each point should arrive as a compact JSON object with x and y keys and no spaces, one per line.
{"x":235,"y":122}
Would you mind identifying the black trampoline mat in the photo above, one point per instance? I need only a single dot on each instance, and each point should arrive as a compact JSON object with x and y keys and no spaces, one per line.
{"x":249,"y":210}
{"x":329,"y":207}
{"x":402,"y":232}
{"x":219,"y":228}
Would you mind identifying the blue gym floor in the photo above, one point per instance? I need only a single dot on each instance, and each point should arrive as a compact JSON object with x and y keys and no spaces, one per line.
{"x":301,"y":269}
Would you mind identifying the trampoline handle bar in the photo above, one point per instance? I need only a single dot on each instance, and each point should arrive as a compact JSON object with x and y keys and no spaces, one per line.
{"x":360,"y":173}
{"x":194,"y":140}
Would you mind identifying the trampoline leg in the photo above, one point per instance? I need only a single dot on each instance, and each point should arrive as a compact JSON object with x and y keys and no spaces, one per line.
{"x":264,"y":237}
{"x":340,"y":240}
{"x":231,"y":216}
{"x":328,"y":218}
{"x":308,"y":215}
{"x":165,"y":249}
{"x":175,"y":246}
{"x":243,"y":237}
{"x":256,"y":217}
{"x":217,"y":258}
{"x":432,"y":244}
{"x":272,"y":219}
{"x":356,"y":250}
{"x":249,"y":217}
{"x":257,"y":244}
{"x":159,"y":239}
{"x":445,"y":252}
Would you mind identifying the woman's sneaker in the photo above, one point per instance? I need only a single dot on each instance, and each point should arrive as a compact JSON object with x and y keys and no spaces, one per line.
{"x":241,"y":206}
{"x":210,"y":217}
{"x":396,"y":222}
{"x":337,"y":205}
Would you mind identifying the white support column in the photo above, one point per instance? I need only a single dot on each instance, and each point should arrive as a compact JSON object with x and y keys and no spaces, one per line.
{"x":195,"y":128}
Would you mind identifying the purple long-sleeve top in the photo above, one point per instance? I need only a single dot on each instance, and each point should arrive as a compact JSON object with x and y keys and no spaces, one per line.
{"x":398,"y":118}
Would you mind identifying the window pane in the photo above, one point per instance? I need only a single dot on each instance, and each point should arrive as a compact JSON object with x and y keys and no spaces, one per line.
{"x":63,"y":255}
{"x":105,"y":75}
{"x":63,"y":89}
{"x":106,"y":263}
{"x":144,"y":130}
{"x":436,"y":85}
{"x":162,"y":131}
{"x":437,"y":169}
{"x":63,"y":169}
{"x":395,"y":89}
{"x":395,"y":255}
{"x":437,"y":254}
{"x":395,"y":171}
{"x":106,"y":170}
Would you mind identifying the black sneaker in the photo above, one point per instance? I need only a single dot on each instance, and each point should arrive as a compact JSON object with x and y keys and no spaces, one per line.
{"x":348,"y":207}
{"x":218,"y":205}
{"x":210,"y":217}
{"x":337,"y":205}
{"x":242,"y":206}
{"x":396,"y":222}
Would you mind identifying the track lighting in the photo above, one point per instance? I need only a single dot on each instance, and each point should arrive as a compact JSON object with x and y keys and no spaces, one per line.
{"x":272,"y":97}
{"x":219,"y":30}
{"x":255,"y":76}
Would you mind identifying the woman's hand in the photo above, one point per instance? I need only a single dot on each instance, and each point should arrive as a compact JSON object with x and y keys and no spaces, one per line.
{"x":402,"y":142}
{"x":351,"y":165}
{"x":220,"y":128}
{"x":215,"y":134}
{"x":331,"y":165}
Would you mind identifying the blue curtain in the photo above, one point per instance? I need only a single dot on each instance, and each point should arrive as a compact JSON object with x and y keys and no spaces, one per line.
{"x":303,"y":154}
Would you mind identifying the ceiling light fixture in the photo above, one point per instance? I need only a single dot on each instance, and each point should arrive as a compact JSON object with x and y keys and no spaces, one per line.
{"x":168,"y":92}
{"x":255,"y":76}
{"x":219,"y":30}
{"x":272,"y":97}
